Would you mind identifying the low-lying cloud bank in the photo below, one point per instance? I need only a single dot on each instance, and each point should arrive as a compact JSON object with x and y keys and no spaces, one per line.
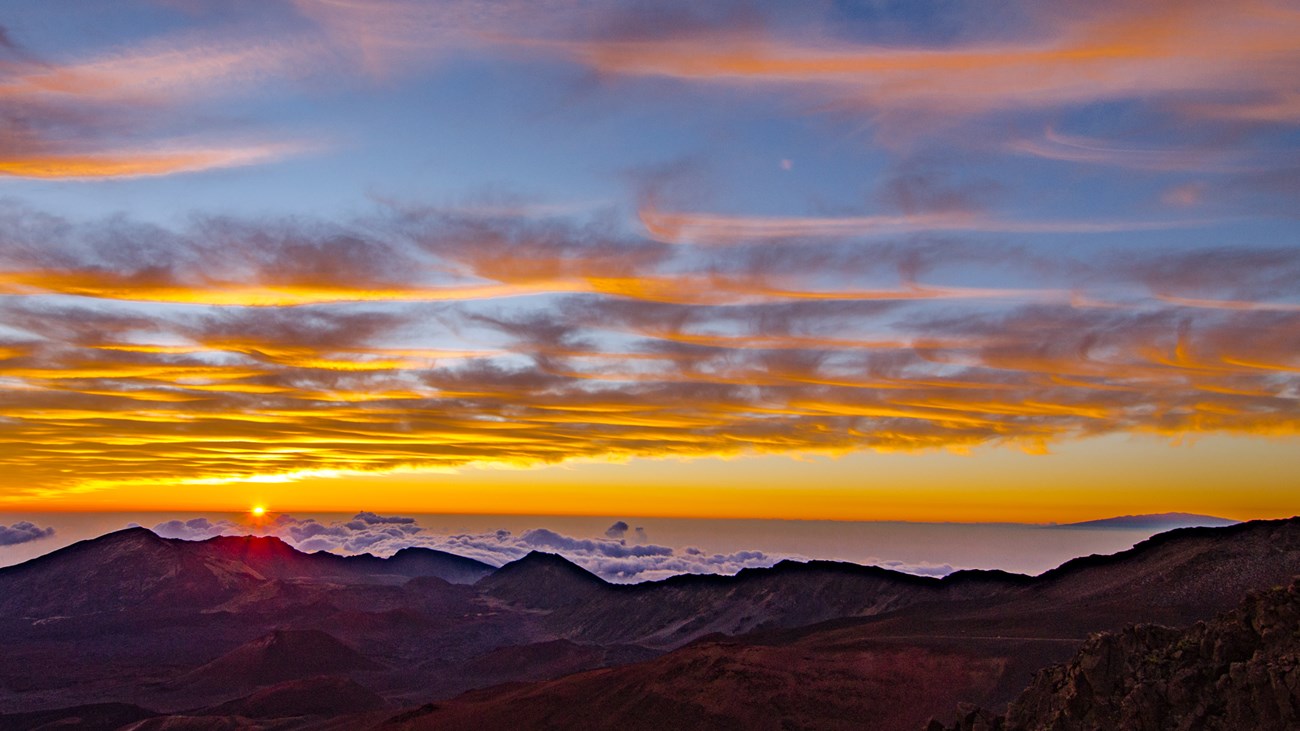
{"x":22,"y":532}
{"x":612,"y":556}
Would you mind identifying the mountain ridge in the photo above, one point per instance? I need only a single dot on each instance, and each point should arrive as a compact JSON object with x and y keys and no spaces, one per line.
{"x":905,"y":663}
{"x":540,"y":636}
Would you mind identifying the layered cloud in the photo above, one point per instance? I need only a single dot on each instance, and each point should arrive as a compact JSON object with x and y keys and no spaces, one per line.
{"x":269,"y":349}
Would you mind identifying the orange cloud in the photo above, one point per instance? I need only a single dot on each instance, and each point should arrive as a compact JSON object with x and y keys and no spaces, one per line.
{"x":668,"y":351}
{"x":137,"y":163}
{"x":81,"y":119}
{"x":1187,"y":51}
{"x":155,"y":72}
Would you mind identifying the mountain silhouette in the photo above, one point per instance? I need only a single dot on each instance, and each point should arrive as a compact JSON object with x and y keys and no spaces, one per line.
{"x":1154,"y":521}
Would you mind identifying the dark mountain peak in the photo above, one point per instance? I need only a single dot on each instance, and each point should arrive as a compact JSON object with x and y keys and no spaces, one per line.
{"x":127,"y":539}
{"x":251,"y":547}
{"x":113,"y":572}
{"x":136,"y":569}
{"x":135,"y":533}
{"x":784,"y":570}
{"x":792,"y":569}
{"x":419,"y":561}
{"x":411,"y":553}
{"x":965,"y":577}
{"x":993,"y":576}
{"x":268,"y":542}
{"x":416,"y":551}
{"x":539,"y":562}
{"x":819,"y":566}
{"x":542,"y":580}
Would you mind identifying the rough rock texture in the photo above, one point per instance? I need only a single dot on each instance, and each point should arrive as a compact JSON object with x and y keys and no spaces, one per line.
{"x":1240,"y":670}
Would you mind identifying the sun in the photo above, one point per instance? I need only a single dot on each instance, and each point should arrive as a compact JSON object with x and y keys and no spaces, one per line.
{"x":258,"y":511}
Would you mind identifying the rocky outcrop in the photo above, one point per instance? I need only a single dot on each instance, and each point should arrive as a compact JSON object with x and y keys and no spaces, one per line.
{"x":1239,"y":670}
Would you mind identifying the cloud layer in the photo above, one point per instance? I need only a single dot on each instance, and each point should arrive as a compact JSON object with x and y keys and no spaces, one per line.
{"x":241,"y":349}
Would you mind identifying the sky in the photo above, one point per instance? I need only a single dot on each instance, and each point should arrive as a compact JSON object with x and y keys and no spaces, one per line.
{"x":928,"y":261}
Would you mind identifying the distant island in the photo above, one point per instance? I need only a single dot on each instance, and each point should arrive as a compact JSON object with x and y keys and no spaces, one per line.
{"x":1154,"y":521}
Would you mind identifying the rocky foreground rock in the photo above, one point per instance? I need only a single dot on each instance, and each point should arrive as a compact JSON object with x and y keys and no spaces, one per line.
{"x":1240,"y":670}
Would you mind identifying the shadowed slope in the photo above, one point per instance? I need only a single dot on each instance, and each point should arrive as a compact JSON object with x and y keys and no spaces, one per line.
{"x":674,"y":611}
{"x":1239,"y":670}
{"x":129,"y":569}
{"x":896,"y":669}
{"x":138,"y":570}
{"x":326,"y":696}
{"x":279,"y":656}
{"x":822,"y":643}
{"x":93,"y":717}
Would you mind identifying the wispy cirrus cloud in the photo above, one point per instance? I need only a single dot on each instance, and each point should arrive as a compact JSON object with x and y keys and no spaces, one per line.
{"x":1202,"y":57}
{"x":712,"y":228}
{"x":111,"y":115}
{"x":1056,"y":145}
{"x":115,"y":112}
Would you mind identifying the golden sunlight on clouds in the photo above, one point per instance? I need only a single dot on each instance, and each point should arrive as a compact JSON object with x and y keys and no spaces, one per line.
{"x":761,"y":362}
{"x":82,"y":119}
{"x":1154,"y":49}
{"x":1009,"y":231}
{"x":1081,"y":479}
{"x":130,"y":164}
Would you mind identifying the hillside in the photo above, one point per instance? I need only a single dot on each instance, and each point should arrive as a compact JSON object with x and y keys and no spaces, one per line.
{"x":1239,"y":670}
{"x":972,"y":638}
{"x":180,"y":630}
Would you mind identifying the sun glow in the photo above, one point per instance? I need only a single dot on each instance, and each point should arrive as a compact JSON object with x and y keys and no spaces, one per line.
{"x":258,"y":511}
